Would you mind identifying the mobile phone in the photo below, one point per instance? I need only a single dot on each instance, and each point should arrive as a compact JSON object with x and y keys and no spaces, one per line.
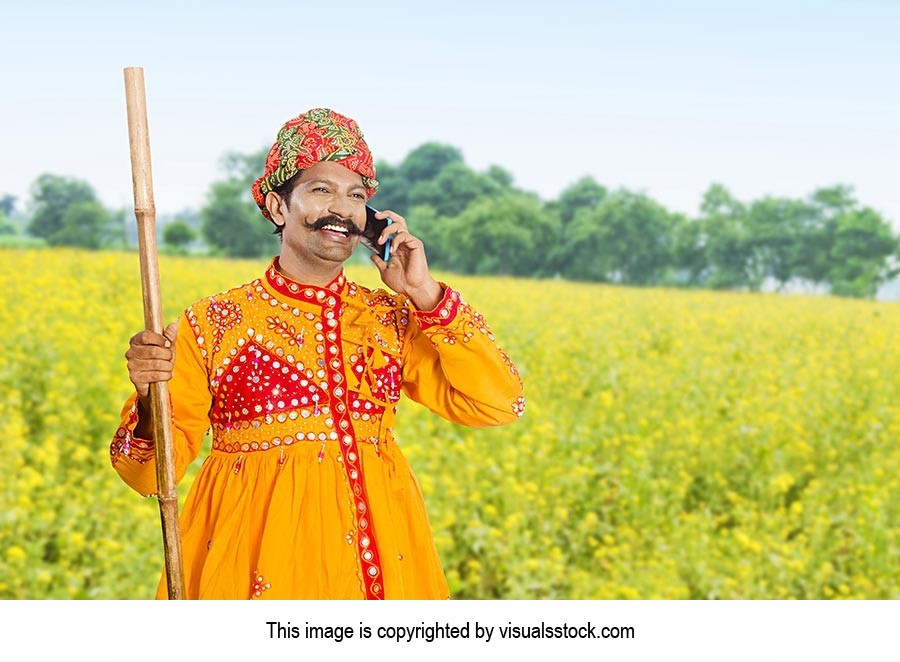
{"x":374,"y":228}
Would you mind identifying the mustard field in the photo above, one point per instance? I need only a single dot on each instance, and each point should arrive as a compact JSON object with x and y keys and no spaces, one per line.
{"x":675,"y":444}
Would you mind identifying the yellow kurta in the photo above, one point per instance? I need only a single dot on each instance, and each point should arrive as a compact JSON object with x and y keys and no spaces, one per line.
{"x":305,"y":493}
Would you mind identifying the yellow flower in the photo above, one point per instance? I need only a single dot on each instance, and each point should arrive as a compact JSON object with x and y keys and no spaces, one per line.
{"x":15,"y":554}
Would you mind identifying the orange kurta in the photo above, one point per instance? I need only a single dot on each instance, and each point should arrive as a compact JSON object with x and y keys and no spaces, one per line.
{"x":305,"y":493}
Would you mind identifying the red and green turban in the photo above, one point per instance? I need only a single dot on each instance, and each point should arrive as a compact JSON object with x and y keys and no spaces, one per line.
{"x":317,"y":135}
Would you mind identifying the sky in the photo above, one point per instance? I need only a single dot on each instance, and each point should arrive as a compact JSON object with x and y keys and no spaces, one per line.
{"x":768,"y":98}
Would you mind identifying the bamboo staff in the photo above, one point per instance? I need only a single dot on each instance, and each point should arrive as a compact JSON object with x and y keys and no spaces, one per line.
{"x":145,"y":211}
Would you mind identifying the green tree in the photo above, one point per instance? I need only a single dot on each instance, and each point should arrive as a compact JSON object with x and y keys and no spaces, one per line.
{"x":723,"y":238}
{"x":435,"y":175}
{"x":7,"y":204}
{"x":178,"y":235}
{"x":119,"y":220}
{"x":861,"y":254}
{"x":455,"y":186}
{"x":834,"y":200}
{"x":583,"y":194}
{"x":500,"y":176}
{"x":230,"y":221}
{"x":428,"y":226}
{"x":426,"y":161}
{"x":783,"y":236}
{"x":830,"y":203}
{"x":627,"y":238}
{"x":689,"y":253}
{"x":393,"y":189}
{"x":52,"y":195}
{"x":84,"y":224}
{"x":505,"y":235}
{"x":7,"y":227}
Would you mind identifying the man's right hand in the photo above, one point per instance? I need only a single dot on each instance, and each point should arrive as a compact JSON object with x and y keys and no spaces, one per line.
{"x":151,"y":358}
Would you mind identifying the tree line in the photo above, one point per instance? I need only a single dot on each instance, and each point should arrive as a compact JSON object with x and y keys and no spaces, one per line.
{"x":481,"y":223}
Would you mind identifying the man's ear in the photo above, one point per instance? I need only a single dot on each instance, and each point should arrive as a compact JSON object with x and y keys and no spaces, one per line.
{"x":274,"y":204}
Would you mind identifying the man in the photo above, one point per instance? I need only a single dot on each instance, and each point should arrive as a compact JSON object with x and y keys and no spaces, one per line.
{"x":305,"y":493}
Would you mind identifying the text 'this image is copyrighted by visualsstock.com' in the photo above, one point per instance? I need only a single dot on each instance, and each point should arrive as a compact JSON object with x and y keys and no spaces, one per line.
{"x":432,"y":632}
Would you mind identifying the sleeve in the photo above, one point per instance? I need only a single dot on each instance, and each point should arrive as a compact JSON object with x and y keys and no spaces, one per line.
{"x":189,"y":391}
{"x":452,"y":366}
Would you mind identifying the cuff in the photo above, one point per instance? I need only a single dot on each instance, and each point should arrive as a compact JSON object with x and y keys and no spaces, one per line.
{"x":124,"y":442}
{"x":443,"y":314}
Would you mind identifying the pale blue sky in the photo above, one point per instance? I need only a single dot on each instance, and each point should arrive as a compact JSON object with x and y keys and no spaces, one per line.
{"x":665,"y":97}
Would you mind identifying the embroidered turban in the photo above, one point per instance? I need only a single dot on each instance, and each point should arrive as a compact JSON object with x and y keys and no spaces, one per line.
{"x":318,"y":135}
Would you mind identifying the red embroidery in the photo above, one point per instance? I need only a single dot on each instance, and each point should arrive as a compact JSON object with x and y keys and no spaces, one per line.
{"x":387,"y":381}
{"x":382,"y":300}
{"x":124,"y":442}
{"x":293,"y":290}
{"x":222,"y":315}
{"x":518,"y":406}
{"x":367,"y":547}
{"x":258,"y":585}
{"x":259,"y":383}
{"x":444,"y":313}
{"x":380,"y":385}
{"x":286,"y":331}
{"x":504,"y":357}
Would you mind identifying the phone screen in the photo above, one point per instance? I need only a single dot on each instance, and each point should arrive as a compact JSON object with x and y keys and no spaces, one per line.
{"x":374,"y":228}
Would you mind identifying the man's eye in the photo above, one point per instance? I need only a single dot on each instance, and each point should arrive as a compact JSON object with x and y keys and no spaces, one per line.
{"x":321,"y":188}
{"x":359,"y":196}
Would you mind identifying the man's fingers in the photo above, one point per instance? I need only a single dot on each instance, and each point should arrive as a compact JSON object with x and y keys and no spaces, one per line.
{"x":405,"y":239}
{"x":395,"y":217}
{"x":147,"y":337}
{"x":398,"y":234}
{"x":151,"y":376}
{"x":398,"y":225}
{"x":137,"y":367}
{"x":151,"y":358}
{"x":144,"y":378}
{"x":149,"y":352}
{"x":171,"y":332}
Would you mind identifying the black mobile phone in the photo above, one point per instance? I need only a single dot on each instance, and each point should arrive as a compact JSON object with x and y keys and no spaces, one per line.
{"x":374,"y":228}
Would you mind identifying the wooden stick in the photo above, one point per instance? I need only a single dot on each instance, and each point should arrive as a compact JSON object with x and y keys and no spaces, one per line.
{"x":145,"y":211}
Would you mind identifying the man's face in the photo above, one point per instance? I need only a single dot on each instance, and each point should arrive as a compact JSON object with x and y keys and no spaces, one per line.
{"x":327,"y":211}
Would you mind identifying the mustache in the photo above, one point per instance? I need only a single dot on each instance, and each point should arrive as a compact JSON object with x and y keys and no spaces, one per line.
{"x":331,"y":219}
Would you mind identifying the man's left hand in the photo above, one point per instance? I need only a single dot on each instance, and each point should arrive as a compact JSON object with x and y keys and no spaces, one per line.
{"x":407,"y":270}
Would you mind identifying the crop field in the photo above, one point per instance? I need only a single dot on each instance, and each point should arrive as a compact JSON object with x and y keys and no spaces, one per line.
{"x":675,"y":444}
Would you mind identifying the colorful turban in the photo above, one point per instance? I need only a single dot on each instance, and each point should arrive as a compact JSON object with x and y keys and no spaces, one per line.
{"x":318,"y":135}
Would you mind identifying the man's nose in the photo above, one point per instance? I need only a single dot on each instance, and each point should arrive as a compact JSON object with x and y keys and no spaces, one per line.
{"x":340,"y":206}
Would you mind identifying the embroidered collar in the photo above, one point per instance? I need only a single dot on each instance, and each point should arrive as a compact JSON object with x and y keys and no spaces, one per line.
{"x":293,"y":289}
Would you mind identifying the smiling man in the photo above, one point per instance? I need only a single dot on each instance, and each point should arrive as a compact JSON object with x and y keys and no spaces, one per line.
{"x":298,"y":373}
